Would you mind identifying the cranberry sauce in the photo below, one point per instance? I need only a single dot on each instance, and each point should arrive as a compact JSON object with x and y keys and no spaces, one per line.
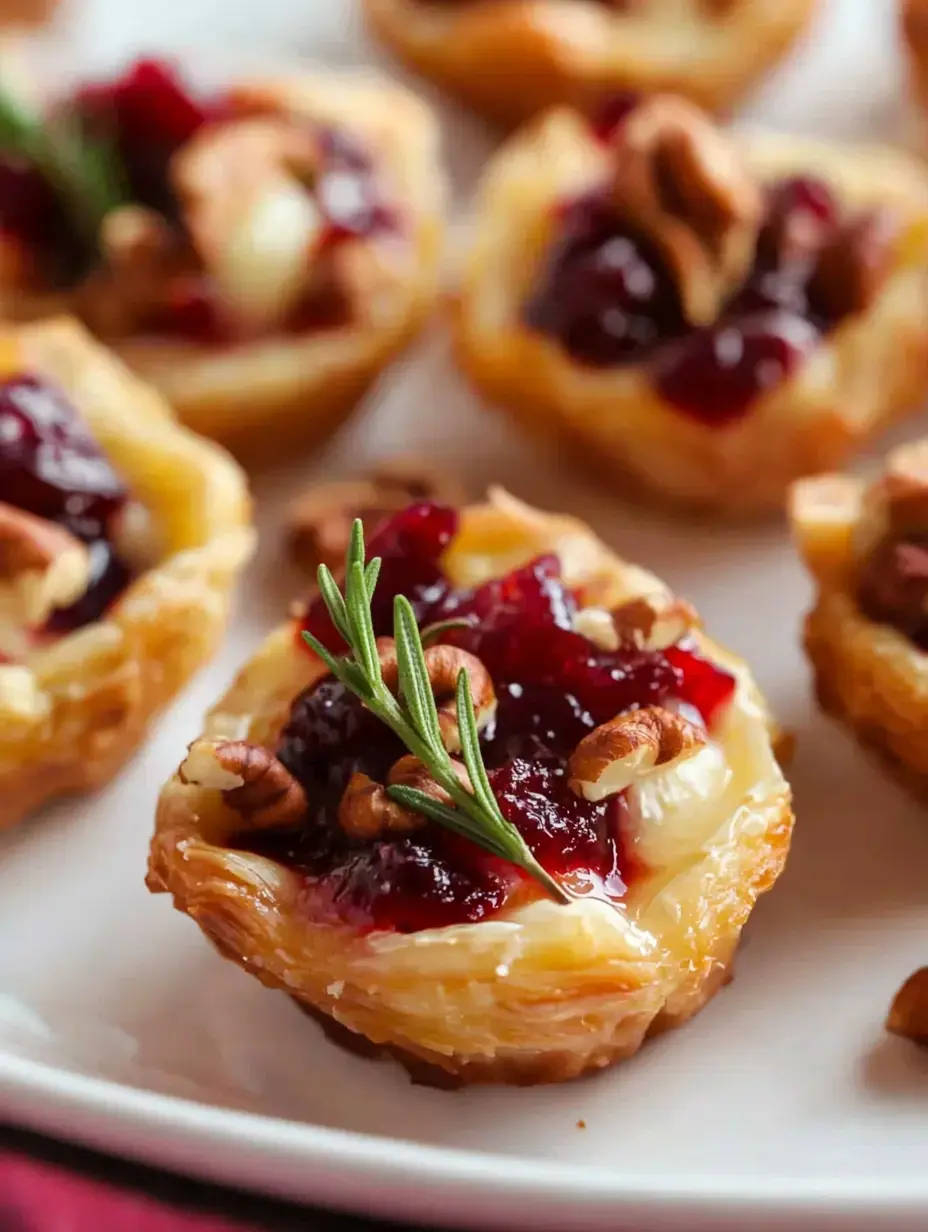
{"x":145,"y":116}
{"x":50,"y":465}
{"x":608,"y":298}
{"x":553,"y":686}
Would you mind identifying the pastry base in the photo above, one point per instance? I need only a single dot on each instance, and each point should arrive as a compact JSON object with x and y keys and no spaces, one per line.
{"x":867,"y":675}
{"x":73,"y":713}
{"x":542,"y":993}
{"x":512,"y":60}
{"x":266,"y":398}
{"x":867,"y":373}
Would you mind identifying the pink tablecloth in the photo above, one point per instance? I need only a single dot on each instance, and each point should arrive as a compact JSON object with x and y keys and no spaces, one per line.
{"x":46,"y":1186}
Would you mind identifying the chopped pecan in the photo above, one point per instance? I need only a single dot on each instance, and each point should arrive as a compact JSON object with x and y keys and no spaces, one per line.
{"x":318,"y":523}
{"x":42,"y":567}
{"x":253,"y":782}
{"x":647,"y":622}
{"x":854,"y":264}
{"x":613,"y":756}
{"x":681,"y":181}
{"x":893,"y":586}
{"x":366,"y":811}
{"x":444,"y":664}
{"x":908,"y":1015}
{"x":245,"y":193}
{"x":892,"y":544}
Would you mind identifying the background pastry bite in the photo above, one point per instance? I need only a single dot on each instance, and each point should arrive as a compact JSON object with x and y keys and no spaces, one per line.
{"x":121,"y":536}
{"x":513,"y":58}
{"x":708,"y":316}
{"x":418,"y":939}
{"x":866,"y":546}
{"x":258,"y":254}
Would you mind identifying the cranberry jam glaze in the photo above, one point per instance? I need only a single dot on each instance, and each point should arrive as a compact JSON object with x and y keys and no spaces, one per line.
{"x":51,"y":466}
{"x":608,"y":298}
{"x":147,"y":116}
{"x":553,"y":687}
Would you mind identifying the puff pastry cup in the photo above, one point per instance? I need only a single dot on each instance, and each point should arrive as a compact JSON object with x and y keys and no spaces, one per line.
{"x":274,"y":249}
{"x":866,"y":547}
{"x":529,"y":991}
{"x":83,"y":670}
{"x":512,"y":58}
{"x":914,"y":23}
{"x":709,"y":321}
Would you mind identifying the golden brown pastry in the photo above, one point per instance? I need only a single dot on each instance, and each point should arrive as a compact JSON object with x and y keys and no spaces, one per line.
{"x":260,"y":255}
{"x":710,"y":320}
{"x":513,"y":58}
{"x":914,"y":19}
{"x":121,"y":535}
{"x":866,"y":546}
{"x":631,"y":752}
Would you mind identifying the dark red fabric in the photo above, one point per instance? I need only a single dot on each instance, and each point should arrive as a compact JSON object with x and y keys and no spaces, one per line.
{"x":38,"y":1197}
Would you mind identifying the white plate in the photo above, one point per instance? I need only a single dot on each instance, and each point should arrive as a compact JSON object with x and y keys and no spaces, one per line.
{"x":784,"y":1101}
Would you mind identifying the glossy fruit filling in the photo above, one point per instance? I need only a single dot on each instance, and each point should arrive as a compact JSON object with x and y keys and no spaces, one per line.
{"x":608,"y":299}
{"x":51,"y":466}
{"x":553,"y":686}
{"x":144,"y":117}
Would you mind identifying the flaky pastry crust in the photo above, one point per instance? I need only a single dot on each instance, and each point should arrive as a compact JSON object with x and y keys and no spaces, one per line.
{"x":512,"y":58}
{"x":536,"y":994}
{"x":264,"y":397}
{"x":914,"y":22}
{"x":71,"y":713}
{"x":867,"y":674}
{"x":866,"y":372}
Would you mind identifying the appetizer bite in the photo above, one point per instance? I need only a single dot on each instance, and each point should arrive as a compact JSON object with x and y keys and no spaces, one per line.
{"x":508,"y":842}
{"x":914,"y":15}
{"x":710,"y":317}
{"x":121,"y":535}
{"x":26,"y":12}
{"x":866,"y":547}
{"x":513,"y":58}
{"x":258,"y":255}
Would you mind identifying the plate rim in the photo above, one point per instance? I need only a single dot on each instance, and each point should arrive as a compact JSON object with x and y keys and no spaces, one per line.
{"x":346,"y":1168}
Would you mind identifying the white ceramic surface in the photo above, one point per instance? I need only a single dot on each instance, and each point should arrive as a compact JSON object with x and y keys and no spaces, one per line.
{"x":783,"y":1103}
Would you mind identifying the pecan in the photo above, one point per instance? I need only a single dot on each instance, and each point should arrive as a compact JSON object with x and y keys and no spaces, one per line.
{"x":318,"y":524}
{"x":680,"y":180}
{"x":444,"y":664}
{"x":652,"y":622}
{"x":253,"y":782}
{"x":613,"y":756}
{"x":908,"y":1015}
{"x":891,"y":544}
{"x":854,"y":264}
{"x":42,"y":566}
{"x":245,"y":192}
{"x":893,"y":586}
{"x":366,"y":811}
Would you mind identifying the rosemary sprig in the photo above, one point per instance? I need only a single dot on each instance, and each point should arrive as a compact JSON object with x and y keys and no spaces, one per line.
{"x":413,"y":716}
{"x":84,"y":172}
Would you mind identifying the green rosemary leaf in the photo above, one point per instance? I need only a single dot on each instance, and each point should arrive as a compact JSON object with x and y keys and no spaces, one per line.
{"x":431,"y":633}
{"x":470,"y":746}
{"x":86,"y":174}
{"x":363,"y":640}
{"x":371,"y":574}
{"x":413,"y":715}
{"x":335,"y":666}
{"x":453,"y":819}
{"x":414,"y":677}
{"x":332,"y":598}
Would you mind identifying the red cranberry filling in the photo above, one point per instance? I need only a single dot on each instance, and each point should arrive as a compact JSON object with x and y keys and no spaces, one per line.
{"x":608,"y":298}
{"x":50,"y":465}
{"x":553,"y":686}
{"x":145,"y":116}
